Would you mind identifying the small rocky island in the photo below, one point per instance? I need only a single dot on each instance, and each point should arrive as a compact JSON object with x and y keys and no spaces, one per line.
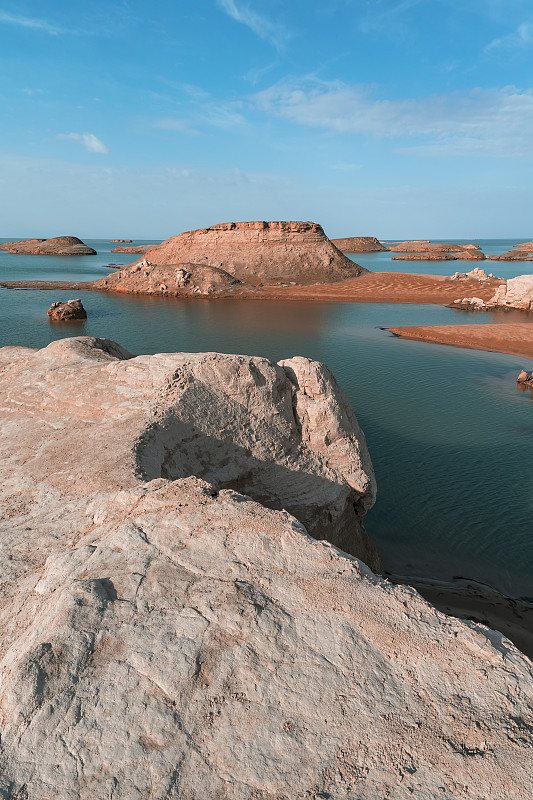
{"x":64,"y":311}
{"x":233,"y":253}
{"x":58,"y":246}
{"x":176,"y":616}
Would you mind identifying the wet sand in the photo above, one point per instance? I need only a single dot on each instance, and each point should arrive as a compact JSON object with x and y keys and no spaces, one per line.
{"x":515,"y":338}
{"x":371,"y":287}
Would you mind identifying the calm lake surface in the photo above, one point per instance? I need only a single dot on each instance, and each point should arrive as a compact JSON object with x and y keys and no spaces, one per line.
{"x":449,"y":433}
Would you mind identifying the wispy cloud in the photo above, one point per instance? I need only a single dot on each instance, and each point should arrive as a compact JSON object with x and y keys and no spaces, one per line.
{"x":475,"y":122}
{"x":381,"y":17}
{"x":270,"y":31}
{"x":88,"y":140}
{"x":174,"y":124}
{"x":521,"y":37}
{"x":29,"y":22}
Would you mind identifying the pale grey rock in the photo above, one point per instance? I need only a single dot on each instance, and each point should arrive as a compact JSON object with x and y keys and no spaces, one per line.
{"x":170,"y":639}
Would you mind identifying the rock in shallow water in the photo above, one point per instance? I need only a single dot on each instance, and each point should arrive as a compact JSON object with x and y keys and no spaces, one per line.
{"x":64,"y":311}
{"x":170,"y":638}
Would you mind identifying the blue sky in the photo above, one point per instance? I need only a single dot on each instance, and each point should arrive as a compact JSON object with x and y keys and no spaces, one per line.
{"x":392,"y":118}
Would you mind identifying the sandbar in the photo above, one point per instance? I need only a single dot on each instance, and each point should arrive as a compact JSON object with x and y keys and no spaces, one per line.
{"x":515,"y":338}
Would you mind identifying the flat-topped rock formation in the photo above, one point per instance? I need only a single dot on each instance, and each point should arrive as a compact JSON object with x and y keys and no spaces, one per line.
{"x":426,"y":246}
{"x":58,"y":246}
{"x":174,"y":638}
{"x":261,"y":252}
{"x":426,"y":256}
{"x":138,"y":248}
{"x":359,"y":244}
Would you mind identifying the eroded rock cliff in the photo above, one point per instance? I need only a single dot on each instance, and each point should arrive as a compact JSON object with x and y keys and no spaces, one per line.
{"x":254,"y":253}
{"x":169,"y":638}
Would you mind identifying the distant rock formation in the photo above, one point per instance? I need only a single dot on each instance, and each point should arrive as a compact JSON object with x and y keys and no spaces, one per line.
{"x":180,"y":280}
{"x":58,"y":246}
{"x":359,"y":244}
{"x":516,"y":293}
{"x":425,"y":246}
{"x":64,"y":311}
{"x":515,"y":254}
{"x":261,"y":252}
{"x":121,"y":240}
{"x":138,"y":248}
{"x":436,"y":251}
{"x":426,"y":256}
{"x":174,"y":638}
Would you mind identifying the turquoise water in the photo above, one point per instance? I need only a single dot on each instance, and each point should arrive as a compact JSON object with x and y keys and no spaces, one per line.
{"x":449,"y":432}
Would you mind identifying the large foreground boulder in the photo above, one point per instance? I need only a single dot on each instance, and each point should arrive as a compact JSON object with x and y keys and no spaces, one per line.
{"x":173,"y":639}
{"x":58,"y":246}
{"x":260,"y":252}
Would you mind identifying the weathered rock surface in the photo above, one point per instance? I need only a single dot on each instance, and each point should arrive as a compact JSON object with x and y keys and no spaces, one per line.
{"x":63,"y":311}
{"x":260,"y":252}
{"x":359,"y":244}
{"x":179,"y":280}
{"x":168,"y":640}
{"x":476,"y":274}
{"x":58,"y":246}
{"x":516,"y":293}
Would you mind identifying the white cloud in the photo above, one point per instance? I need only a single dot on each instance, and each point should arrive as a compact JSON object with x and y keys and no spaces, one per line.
{"x":272,"y":32}
{"x":88,"y":140}
{"x":29,"y":22}
{"x":521,"y":37}
{"x":475,"y":122}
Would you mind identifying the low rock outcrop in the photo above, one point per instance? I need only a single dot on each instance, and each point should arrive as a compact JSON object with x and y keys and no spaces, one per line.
{"x":121,"y":240}
{"x":515,"y":254}
{"x":58,"y":246}
{"x":425,"y":256}
{"x":69,"y":310}
{"x":179,"y":280}
{"x":171,"y":638}
{"x":138,"y":248}
{"x":359,"y":244}
{"x":260,"y":252}
{"x":516,"y":293}
{"x":425,"y":246}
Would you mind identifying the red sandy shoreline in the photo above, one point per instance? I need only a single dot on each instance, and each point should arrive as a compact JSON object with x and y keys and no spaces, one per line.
{"x":515,"y":338}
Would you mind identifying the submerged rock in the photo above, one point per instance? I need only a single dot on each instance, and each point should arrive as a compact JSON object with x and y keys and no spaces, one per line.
{"x":58,"y":246}
{"x":172,"y":638}
{"x":64,"y":311}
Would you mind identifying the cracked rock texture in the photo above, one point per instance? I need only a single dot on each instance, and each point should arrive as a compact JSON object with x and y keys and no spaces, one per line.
{"x":259,"y":252}
{"x":163,"y":637}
